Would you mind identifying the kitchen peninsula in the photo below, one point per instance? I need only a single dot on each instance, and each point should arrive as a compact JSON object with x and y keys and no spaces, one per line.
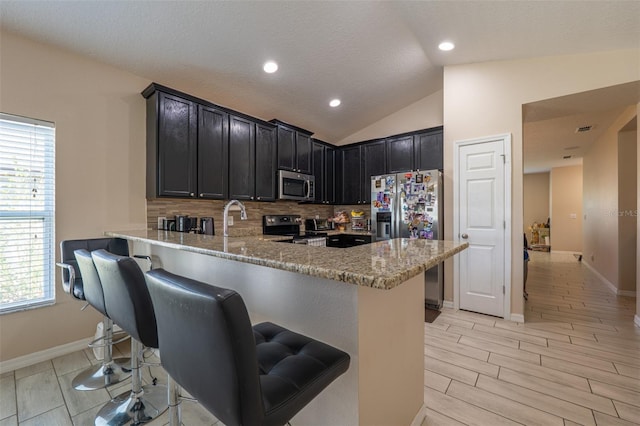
{"x":367,"y":300}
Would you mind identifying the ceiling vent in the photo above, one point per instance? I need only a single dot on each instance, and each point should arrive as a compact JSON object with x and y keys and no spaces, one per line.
{"x":583,"y":129}
{"x":566,"y":157}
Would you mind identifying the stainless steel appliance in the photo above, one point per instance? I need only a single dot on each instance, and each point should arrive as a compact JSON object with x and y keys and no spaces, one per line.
{"x":409,"y":205}
{"x":288,"y":226}
{"x":184,"y":223}
{"x":207,"y":226}
{"x":295,"y":186}
{"x":313,"y":225}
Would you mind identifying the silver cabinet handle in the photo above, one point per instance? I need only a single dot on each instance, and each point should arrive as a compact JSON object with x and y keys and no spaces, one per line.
{"x":465,"y":236}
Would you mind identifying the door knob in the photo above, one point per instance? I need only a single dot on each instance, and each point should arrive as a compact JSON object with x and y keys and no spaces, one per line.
{"x":465,"y":236}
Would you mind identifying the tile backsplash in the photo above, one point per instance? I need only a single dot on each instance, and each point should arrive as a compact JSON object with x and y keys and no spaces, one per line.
{"x":170,"y":207}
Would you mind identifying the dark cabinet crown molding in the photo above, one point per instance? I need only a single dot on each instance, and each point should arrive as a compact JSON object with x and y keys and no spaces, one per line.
{"x":277,"y":122}
{"x":155,"y":87}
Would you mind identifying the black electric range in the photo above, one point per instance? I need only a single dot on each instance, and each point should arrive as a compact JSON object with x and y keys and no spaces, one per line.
{"x":288,"y":226}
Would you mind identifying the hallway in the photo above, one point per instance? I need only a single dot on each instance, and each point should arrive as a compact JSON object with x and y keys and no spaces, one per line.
{"x":576,"y":360}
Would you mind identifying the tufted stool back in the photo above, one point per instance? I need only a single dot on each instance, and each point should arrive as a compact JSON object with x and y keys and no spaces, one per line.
{"x":245,"y":376}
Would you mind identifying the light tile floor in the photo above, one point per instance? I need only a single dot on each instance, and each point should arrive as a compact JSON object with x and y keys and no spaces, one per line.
{"x":41,"y":395}
{"x":576,"y":360}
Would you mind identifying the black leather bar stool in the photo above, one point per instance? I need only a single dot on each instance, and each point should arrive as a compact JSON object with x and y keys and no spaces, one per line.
{"x":128,"y":302}
{"x":87,"y":287}
{"x":244,"y":376}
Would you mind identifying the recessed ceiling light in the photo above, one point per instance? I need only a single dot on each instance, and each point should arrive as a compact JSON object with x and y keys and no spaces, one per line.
{"x":334,"y":103}
{"x":446,"y":46}
{"x":270,"y":67}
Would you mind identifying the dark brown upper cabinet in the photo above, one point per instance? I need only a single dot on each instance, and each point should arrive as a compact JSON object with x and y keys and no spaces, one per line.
{"x":196,"y":149}
{"x":374,"y":164}
{"x":172,"y":138}
{"x":323,"y":160}
{"x":428,"y":150}
{"x":294,"y":148}
{"x":242,"y":157}
{"x":213,"y":152}
{"x":350,"y":175}
{"x":252,"y":160}
{"x":266,"y":163}
{"x":400,"y":156}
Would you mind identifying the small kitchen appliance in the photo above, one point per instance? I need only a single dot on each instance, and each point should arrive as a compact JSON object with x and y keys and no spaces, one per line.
{"x":206,"y":226}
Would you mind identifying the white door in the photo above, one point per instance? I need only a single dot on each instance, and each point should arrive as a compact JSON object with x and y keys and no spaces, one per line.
{"x":482,"y":223}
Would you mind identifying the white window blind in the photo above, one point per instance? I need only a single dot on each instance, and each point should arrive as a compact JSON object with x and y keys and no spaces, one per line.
{"x":27,"y":207}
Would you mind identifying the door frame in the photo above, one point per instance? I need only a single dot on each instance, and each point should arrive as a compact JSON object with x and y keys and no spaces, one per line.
{"x":506,"y":143}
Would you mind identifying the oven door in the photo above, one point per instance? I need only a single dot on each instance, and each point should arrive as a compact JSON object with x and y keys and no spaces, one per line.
{"x":295,"y":186}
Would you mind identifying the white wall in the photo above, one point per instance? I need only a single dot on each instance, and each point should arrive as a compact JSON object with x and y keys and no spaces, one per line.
{"x":423,"y":114}
{"x":486,"y":99}
{"x":100,"y":167}
{"x":566,"y":209}
{"x":535,"y":194}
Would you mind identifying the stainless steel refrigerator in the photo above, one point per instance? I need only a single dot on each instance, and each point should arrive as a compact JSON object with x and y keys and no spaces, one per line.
{"x":409,"y":205}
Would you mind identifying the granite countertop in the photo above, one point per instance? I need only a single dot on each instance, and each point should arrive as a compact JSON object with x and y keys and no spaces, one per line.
{"x":382,"y":265}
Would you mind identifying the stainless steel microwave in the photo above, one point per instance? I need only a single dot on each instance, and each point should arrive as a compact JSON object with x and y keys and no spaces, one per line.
{"x":295,"y":186}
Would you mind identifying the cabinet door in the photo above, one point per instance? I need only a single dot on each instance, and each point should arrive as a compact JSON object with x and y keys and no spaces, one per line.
{"x":213,"y":153}
{"x":241,"y":158}
{"x":400,"y":154}
{"x":286,"y":148}
{"x":318,"y":171}
{"x":350,"y":190}
{"x":303,"y":153}
{"x":428,"y":151}
{"x":266,"y":163}
{"x":330,"y":175}
{"x":177,"y":151}
{"x":374,"y":164}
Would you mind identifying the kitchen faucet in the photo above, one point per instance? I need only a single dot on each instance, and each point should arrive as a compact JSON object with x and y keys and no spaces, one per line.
{"x":225,"y":215}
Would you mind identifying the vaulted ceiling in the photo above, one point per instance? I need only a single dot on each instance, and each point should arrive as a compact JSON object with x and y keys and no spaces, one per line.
{"x":376,"y":56}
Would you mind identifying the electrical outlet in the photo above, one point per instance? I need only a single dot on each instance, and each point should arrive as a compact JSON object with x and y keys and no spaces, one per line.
{"x":230,"y":220}
{"x":317,"y":216}
{"x":161,"y":222}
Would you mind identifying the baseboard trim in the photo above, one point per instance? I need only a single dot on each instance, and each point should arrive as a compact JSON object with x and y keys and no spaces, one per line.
{"x":447,"y":304}
{"x":627,"y":293}
{"x":45,"y":355}
{"x":601,"y":277}
{"x":517,"y":318}
{"x":636,"y":320}
{"x":419,"y":418}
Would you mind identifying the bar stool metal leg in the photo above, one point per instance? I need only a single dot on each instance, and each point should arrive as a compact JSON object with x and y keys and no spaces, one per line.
{"x":141,"y":405}
{"x":110,"y":371}
{"x":175,"y":403}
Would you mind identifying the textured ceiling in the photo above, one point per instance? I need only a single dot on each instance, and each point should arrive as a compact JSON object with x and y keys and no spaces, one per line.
{"x":377,"y":56}
{"x":549,"y":128}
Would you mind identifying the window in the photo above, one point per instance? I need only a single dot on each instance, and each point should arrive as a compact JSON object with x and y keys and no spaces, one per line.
{"x":27,"y":190}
